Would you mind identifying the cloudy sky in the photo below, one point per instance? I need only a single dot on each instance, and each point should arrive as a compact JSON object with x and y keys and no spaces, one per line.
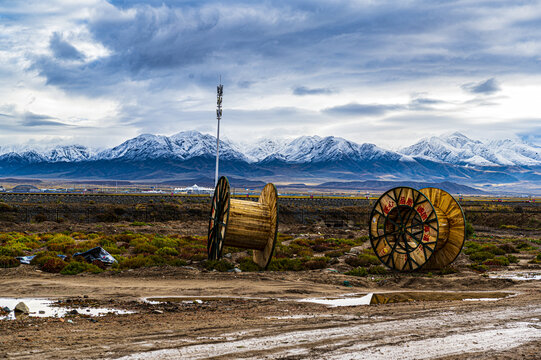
{"x":98,"y":72}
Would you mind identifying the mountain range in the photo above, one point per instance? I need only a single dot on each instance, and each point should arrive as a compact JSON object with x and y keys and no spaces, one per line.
{"x":452,"y":157}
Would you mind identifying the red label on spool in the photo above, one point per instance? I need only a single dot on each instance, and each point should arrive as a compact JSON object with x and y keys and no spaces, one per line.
{"x":388,"y":207}
{"x":422,"y":212}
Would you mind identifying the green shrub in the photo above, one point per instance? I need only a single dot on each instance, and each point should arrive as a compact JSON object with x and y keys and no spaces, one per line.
{"x":167,"y":251}
{"x":378,"y":270}
{"x":335,"y":253}
{"x":53,"y":265}
{"x":61,"y":243}
{"x":493,"y":249}
{"x":478,"y":267}
{"x":161,"y":242}
{"x":145,"y":248}
{"x":524,"y":246}
{"x":363,"y":260}
{"x":139,"y":223}
{"x":177,"y":262}
{"x":76,"y":267}
{"x":508,"y":248}
{"x":134,"y":262}
{"x":480,"y":256}
{"x":497,"y":261}
{"x":247,"y":264}
{"x":10,"y":251}
{"x":512,"y":259}
{"x":470,"y":231}
{"x":218,"y":265}
{"x":286,"y":265}
{"x":8,"y":262}
{"x":360,"y":271}
{"x":316,"y":263}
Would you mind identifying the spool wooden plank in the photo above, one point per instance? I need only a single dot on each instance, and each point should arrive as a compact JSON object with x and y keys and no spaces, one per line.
{"x":450,"y":248}
{"x":243,"y":224}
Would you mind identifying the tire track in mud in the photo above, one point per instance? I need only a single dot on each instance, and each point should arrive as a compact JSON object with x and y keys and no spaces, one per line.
{"x":447,"y":333}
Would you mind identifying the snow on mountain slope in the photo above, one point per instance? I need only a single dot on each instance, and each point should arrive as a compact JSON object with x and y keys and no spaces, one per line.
{"x":71,"y":153}
{"x":458,"y":149}
{"x":183,"y":146}
{"x":312,"y":149}
{"x":454,"y":148}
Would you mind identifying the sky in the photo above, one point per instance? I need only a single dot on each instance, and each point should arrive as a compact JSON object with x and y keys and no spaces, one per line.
{"x":97,"y":72}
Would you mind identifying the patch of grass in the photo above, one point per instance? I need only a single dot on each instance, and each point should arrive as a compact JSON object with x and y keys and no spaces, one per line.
{"x":508,"y":248}
{"x":8,"y":262}
{"x":247,"y":264}
{"x":378,"y":270}
{"x":360,"y":271}
{"x":167,"y":251}
{"x":218,"y":265}
{"x":61,"y":243}
{"x":139,"y":223}
{"x":316,"y":263}
{"x":363,"y":260}
{"x":479,"y":268}
{"x":286,"y":264}
{"x":481,"y":256}
{"x":497,"y":261}
{"x":512,"y":259}
{"x":470,"y":231}
{"x":76,"y":267}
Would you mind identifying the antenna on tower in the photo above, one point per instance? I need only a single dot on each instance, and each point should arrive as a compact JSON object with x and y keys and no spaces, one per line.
{"x":219,"y":94}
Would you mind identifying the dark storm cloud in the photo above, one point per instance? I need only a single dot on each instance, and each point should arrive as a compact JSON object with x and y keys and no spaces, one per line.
{"x":489,"y":86}
{"x":355,"y":109}
{"x":62,"y":49}
{"x":303,"y":90}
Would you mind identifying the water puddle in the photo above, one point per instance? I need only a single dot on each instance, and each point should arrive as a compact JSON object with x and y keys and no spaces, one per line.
{"x":521,"y":276}
{"x":47,"y":308}
{"x":196,"y":299}
{"x":399,"y":297}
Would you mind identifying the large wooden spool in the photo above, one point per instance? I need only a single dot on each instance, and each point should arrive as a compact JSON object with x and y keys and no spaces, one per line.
{"x":243,"y":224}
{"x":410,"y":228}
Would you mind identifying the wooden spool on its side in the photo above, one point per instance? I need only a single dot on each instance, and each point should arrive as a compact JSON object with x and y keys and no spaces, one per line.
{"x":410,"y":229}
{"x":451,"y":243}
{"x":243,"y":224}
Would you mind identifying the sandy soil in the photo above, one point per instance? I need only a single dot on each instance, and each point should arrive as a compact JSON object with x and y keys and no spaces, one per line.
{"x":263,"y":319}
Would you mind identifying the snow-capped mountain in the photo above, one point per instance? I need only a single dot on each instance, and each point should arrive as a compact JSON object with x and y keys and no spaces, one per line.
{"x":191,"y":154}
{"x":311,"y":149}
{"x":70,"y":153}
{"x":457,"y":148}
{"x":182,"y":146}
{"x":261,"y":149}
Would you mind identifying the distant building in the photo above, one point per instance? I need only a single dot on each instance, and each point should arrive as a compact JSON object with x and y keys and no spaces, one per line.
{"x":194,"y":189}
{"x":2,"y":189}
{"x":25,"y":189}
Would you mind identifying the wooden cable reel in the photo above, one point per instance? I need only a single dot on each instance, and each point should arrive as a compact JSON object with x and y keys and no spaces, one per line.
{"x":410,"y":229}
{"x":243,"y":224}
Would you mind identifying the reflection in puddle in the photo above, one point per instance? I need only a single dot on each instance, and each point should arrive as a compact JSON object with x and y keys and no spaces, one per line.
{"x":521,"y":276}
{"x":46,"y":308}
{"x":398,"y":297}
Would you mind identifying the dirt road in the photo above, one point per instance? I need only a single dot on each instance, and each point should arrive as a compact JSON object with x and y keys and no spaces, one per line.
{"x":258,"y":315}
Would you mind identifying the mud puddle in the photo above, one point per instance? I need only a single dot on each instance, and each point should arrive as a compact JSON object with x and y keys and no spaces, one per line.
{"x":399,"y":297}
{"x":50,"y":308}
